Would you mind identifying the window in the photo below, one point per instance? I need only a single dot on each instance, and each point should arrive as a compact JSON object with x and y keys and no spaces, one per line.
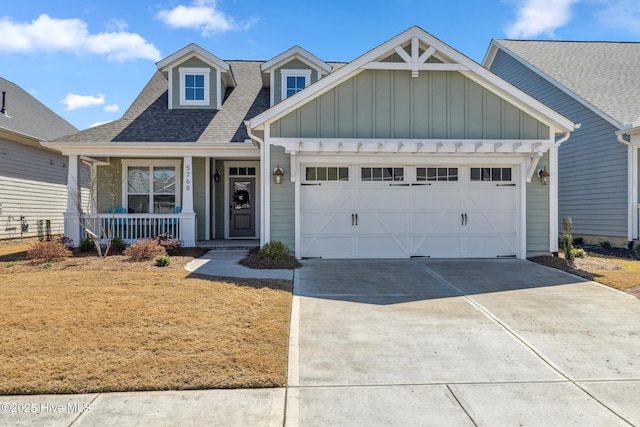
{"x":242,"y":171}
{"x":491,"y":174}
{"x":194,"y":86}
{"x":293,"y":81}
{"x":437,"y":174}
{"x":326,"y":174}
{"x":151,"y":188}
{"x":382,"y":174}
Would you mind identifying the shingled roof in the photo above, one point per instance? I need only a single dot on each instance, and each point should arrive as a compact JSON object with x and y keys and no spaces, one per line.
{"x":605,"y":74}
{"x":28,"y":116}
{"x":148,"y":119}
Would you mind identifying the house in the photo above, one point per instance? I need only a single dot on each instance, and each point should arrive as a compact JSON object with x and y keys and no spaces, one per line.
{"x":595,"y":84}
{"x":412,"y":149}
{"x":33,"y":178}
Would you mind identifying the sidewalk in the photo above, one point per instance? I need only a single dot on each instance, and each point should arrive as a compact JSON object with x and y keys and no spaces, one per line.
{"x":224,"y":263}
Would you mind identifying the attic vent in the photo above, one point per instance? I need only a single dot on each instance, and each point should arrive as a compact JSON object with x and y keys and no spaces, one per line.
{"x":3,"y":110}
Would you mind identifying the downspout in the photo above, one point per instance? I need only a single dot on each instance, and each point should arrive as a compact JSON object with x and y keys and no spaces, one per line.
{"x":631,"y":188}
{"x":264,"y":166}
{"x":553,"y":191}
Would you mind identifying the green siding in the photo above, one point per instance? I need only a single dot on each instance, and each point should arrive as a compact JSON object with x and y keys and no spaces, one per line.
{"x":294,"y":64}
{"x":199,"y":196}
{"x":538,"y":212}
{"x":219,"y":200}
{"x":175,"y":84}
{"x":392,"y":104}
{"x":283,"y":201}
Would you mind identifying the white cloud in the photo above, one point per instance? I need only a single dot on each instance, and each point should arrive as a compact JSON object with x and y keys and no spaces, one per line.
{"x":99,"y":123}
{"x":204,"y":16}
{"x":73,"y":101}
{"x":620,"y":14}
{"x":116,"y":25}
{"x":536,"y":17}
{"x":33,"y":91}
{"x":72,"y":35}
{"x":111,"y":108}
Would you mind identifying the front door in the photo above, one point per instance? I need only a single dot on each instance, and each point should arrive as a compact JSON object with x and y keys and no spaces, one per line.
{"x":242,"y":207}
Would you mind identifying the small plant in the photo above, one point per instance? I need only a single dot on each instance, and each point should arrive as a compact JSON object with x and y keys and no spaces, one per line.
{"x":47,"y":265}
{"x":144,"y":250}
{"x":578,"y":241}
{"x":274,"y":250}
{"x":163,"y":261}
{"x":86,"y":245}
{"x":118,"y":245}
{"x":567,"y":241}
{"x":12,"y":264}
{"x":66,"y":241}
{"x":578,"y":253}
{"x":637,"y":248}
{"x":168,"y":242}
{"x":48,"y":251}
{"x":605,"y":246}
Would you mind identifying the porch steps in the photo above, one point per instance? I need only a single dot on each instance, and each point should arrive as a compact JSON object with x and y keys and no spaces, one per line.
{"x":228,"y":244}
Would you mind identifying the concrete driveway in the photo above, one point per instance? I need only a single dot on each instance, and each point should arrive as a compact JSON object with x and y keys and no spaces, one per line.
{"x":460,"y":343}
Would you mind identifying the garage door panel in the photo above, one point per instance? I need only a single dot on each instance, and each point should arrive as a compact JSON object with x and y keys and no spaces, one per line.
{"x":436,"y":199}
{"x":332,"y":247}
{"x":326,"y":223}
{"x":490,"y":222}
{"x":382,"y":199}
{"x":491,"y":246}
{"x":437,"y":222}
{"x":490,"y":198}
{"x":383,"y":223}
{"x":437,"y":246}
{"x":314,"y":198}
{"x":382,"y":247}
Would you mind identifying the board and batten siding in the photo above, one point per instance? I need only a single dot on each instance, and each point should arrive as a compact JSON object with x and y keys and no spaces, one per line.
{"x":218,"y":202}
{"x":592,"y":180}
{"x":538,"y":213}
{"x":294,"y":64}
{"x":213,"y":86}
{"x":199,"y":196}
{"x":282,"y":201}
{"x":33,"y":184}
{"x":392,"y":104}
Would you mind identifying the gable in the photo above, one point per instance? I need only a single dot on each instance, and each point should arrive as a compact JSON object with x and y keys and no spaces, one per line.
{"x":294,"y":64}
{"x":174,"y":81}
{"x":393,"y":104}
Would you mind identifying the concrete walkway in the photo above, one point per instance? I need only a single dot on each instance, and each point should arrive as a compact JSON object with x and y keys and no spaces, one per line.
{"x":414,"y":342}
{"x":224,"y":263}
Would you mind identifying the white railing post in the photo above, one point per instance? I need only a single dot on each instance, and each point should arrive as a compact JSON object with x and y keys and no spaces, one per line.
{"x":188,"y":216}
{"x":72,"y":215}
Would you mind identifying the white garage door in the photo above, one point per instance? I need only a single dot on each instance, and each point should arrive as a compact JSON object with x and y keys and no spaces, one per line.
{"x":399,"y":212}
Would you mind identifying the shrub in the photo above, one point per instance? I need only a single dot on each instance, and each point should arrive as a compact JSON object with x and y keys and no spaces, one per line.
{"x":118,"y":245}
{"x":274,"y":250}
{"x":48,"y":251}
{"x":637,"y":249}
{"x":605,"y":246}
{"x":168,"y":242}
{"x":86,"y":245}
{"x":578,"y":253}
{"x":144,"y":250}
{"x":12,"y":264}
{"x":163,"y":261}
{"x":578,"y":241}
{"x":64,"y":240}
{"x":47,"y":265}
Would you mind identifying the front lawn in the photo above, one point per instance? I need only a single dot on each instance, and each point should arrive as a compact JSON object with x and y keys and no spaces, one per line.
{"x":89,"y":325}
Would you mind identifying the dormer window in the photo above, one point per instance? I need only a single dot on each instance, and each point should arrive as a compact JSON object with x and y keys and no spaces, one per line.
{"x":194,"y":86}
{"x":293,"y":81}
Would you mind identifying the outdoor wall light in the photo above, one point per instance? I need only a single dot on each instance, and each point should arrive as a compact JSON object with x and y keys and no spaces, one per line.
{"x":278,"y":173}
{"x":544,"y":176}
{"x":216,"y":176}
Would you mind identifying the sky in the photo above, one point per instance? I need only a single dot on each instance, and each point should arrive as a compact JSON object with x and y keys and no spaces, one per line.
{"x":88,"y":60}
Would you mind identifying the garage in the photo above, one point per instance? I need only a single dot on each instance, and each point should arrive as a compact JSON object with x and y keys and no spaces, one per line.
{"x":382,"y":211}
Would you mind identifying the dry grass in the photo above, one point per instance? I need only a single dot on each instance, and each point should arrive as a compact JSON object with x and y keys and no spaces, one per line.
{"x":623,"y":274}
{"x":90,"y":325}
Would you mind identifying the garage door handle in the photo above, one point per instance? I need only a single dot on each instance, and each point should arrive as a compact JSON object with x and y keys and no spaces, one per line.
{"x":505,"y":185}
{"x":356,"y":220}
{"x":353,"y":219}
{"x":422,"y":184}
{"x":399,"y":185}
{"x":465,"y":219}
{"x":461,"y":219}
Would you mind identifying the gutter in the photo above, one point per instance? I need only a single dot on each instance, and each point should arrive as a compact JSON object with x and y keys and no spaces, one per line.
{"x":254,"y":139}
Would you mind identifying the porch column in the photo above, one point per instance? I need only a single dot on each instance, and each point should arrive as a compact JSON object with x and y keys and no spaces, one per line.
{"x":188,"y":218}
{"x":553,"y":199}
{"x":72,"y":215}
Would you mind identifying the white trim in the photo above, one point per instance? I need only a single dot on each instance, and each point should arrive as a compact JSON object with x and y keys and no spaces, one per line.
{"x":491,"y":54}
{"x":521,"y":209}
{"x":170,"y":91}
{"x":206,"y":72}
{"x":257,"y":192}
{"x":429,"y":66}
{"x":126,"y":163}
{"x":553,"y":199}
{"x":286,"y":72}
{"x":478,"y":73}
{"x":265,"y":236}
{"x":302,"y":54}
{"x":159,"y":149}
{"x":272,"y":96}
{"x":207,"y":198}
{"x":198,"y":52}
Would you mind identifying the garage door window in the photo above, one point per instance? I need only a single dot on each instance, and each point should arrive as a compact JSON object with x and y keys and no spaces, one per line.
{"x":491,"y":174}
{"x":329,"y":173}
{"x":436,"y":174}
{"x":382,"y":174}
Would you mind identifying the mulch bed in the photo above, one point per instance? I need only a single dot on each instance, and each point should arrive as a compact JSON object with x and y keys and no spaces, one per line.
{"x":254,"y":260}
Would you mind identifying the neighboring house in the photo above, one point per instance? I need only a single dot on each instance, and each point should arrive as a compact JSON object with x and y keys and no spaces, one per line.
{"x":33,"y":179}
{"x":412,"y":149}
{"x":596,"y":84}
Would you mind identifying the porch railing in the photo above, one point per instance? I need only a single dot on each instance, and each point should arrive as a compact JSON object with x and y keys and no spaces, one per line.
{"x":131,"y":227}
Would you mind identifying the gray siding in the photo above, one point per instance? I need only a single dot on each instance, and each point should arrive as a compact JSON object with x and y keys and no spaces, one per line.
{"x":219,"y":204}
{"x":392,"y":104}
{"x":538,"y":213}
{"x":593,"y":164}
{"x":32,"y":187}
{"x":283,"y":201}
{"x":294,"y":64}
{"x":175,"y":84}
